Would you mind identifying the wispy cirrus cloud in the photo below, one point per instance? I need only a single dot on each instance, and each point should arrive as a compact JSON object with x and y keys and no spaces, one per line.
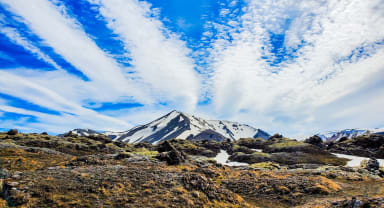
{"x":42,"y":96}
{"x":108,"y":81}
{"x":15,"y":37}
{"x":67,"y":38}
{"x":158,"y":56}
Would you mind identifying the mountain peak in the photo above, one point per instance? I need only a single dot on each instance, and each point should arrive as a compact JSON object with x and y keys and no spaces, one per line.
{"x":177,"y":124}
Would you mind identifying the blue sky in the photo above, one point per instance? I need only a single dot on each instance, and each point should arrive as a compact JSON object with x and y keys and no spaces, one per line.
{"x":297,"y":67}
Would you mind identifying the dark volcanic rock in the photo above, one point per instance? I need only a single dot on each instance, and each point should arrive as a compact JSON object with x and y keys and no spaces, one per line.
{"x":122,"y":155}
{"x":12,"y":132}
{"x":252,"y":143}
{"x":315,"y":140}
{"x":356,"y":202}
{"x":170,"y":154}
{"x":256,"y":157}
{"x":373,"y":165}
{"x":364,"y":146}
{"x":172,"y":157}
{"x":165,"y":147}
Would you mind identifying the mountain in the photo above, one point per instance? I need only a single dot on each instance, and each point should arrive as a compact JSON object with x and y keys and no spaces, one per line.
{"x":184,"y":126}
{"x":349,"y":133}
{"x":81,"y":132}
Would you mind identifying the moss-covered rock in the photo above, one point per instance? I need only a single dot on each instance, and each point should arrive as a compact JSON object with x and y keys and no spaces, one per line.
{"x":265,"y":165}
{"x":289,"y":146}
{"x":291,"y":158}
{"x":253,"y":143}
{"x":255,"y":157}
{"x":364,"y":146}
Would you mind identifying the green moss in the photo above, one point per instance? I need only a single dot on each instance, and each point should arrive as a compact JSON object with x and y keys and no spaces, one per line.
{"x":261,"y":154}
{"x":183,"y":144}
{"x":287,"y":144}
{"x":265,"y":165}
{"x":145,"y":152}
{"x":235,"y":147}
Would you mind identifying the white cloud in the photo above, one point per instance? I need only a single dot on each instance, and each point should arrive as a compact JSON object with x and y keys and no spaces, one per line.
{"x":68,"y":39}
{"x":31,"y":91}
{"x":173,"y":78}
{"x":58,"y":123}
{"x":293,"y":92}
{"x":159,"y":57}
{"x":15,"y":37}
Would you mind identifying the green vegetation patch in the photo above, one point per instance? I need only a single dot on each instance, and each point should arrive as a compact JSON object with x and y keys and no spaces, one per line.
{"x":287,"y":144}
{"x":265,"y":165}
{"x":145,"y":152}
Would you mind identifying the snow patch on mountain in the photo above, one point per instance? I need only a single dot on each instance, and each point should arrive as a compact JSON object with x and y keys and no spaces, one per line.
{"x":349,"y":133}
{"x":81,"y":132}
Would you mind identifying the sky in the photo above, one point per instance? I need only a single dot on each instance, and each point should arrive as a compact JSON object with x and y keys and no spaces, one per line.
{"x":297,"y":67}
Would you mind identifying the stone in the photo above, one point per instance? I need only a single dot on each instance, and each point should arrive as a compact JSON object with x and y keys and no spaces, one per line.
{"x":315,"y":140}
{"x":277,"y":136}
{"x":122,"y":155}
{"x":12,"y":132}
{"x":16,"y":177}
{"x":170,"y":154}
{"x":12,"y":183}
{"x":172,"y":157}
{"x":195,"y":194}
{"x":373,"y":164}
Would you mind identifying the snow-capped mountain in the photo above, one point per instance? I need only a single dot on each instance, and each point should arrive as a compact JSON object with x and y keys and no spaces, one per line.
{"x":82,"y":132}
{"x":349,"y":133}
{"x":182,"y":126}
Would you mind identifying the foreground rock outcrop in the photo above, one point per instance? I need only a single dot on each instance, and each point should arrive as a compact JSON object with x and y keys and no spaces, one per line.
{"x":365,"y":145}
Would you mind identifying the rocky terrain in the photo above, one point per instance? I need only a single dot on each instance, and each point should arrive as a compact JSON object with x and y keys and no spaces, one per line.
{"x":39,"y":170}
{"x":368,"y":145}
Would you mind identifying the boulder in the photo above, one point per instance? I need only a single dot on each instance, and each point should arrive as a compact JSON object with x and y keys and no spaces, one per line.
{"x":122,"y":155}
{"x":165,"y":147}
{"x":254,"y":143}
{"x":170,"y":154}
{"x":315,"y":140}
{"x":12,"y":132}
{"x":276,"y":136}
{"x":172,"y":157}
{"x":373,"y":165}
{"x":17,"y":197}
{"x":256,"y":157}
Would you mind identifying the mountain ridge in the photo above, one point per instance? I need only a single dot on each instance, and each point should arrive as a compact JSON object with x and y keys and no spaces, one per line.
{"x":348,"y":133}
{"x":181,"y":125}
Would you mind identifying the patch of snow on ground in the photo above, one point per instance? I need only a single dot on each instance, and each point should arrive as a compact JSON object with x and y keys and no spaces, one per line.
{"x":257,"y":150}
{"x":222,"y":158}
{"x":356,"y":160}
